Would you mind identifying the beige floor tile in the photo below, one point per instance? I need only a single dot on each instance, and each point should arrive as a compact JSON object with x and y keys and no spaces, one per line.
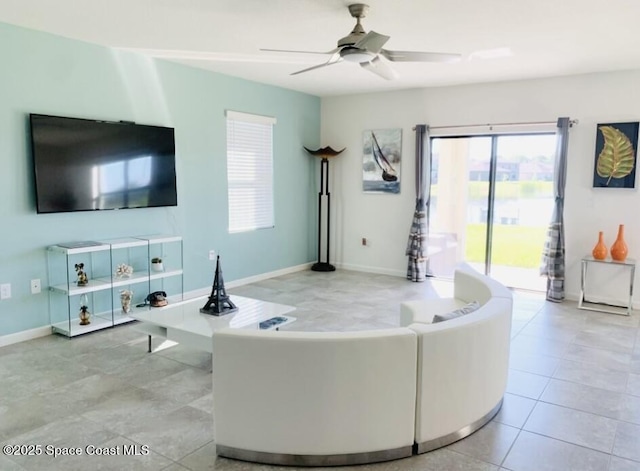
{"x":621,"y":464}
{"x":613,"y":360}
{"x":175,"y":434}
{"x":491,"y":443}
{"x":633,"y":385}
{"x":444,"y":458}
{"x":7,"y":464}
{"x":630,"y":409}
{"x":584,"y":398}
{"x":572,"y":426}
{"x":515,"y":410}
{"x":541,"y":365}
{"x":532,"y":452}
{"x":534,"y":345}
{"x":525,"y":384}
{"x":627,"y":444}
{"x":105,"y":388}
{"x":592,"y":374}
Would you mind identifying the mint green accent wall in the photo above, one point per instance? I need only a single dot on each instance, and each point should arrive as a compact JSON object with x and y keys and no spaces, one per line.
{"x":47,"y":74}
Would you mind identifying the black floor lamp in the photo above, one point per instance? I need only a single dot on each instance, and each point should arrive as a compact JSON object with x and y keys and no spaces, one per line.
{"x":325,"y":154}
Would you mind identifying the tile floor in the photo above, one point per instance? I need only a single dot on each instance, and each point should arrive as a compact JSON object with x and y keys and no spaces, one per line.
{"x":572,"y":402}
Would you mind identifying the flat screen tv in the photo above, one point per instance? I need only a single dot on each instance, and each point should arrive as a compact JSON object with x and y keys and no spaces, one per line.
{"x":91,"y":165}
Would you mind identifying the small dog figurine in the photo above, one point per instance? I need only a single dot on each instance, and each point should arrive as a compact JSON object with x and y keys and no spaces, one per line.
{"x":84,"y":315}
{"x":82,"y":276}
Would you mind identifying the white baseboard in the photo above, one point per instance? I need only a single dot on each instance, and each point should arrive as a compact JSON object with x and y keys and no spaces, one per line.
{"x":245,"y":281}
{"x":266,"y":276}
{"x":25,"y":335}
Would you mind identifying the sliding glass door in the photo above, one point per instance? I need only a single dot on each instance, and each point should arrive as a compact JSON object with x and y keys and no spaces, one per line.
{"x":491,"y":201}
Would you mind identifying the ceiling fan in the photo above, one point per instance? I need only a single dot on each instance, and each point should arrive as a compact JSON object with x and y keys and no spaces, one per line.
{"x":366,"y":49}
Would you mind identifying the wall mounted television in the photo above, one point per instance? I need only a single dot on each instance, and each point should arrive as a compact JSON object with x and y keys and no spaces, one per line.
{"x":92,"y":165}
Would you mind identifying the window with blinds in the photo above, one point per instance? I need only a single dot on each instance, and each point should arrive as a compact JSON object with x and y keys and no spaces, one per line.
{"x":250,"y":171}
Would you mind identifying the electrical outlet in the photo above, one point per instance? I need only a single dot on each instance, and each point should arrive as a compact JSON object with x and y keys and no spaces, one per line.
{"x":5,"y":291}
{"x":35,"y":286}
{"x":212,"y":254}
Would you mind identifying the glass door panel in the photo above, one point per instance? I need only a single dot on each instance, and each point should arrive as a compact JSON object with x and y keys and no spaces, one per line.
{"x":459,"y":203}
{"x":523,"y":204}
{"x":491,"y":202}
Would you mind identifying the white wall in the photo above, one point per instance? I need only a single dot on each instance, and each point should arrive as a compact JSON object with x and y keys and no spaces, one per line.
{"x":385,"y":219}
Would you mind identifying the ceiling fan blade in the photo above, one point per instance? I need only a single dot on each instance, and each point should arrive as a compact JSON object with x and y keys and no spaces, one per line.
{"x":335,"y":58}
{"x":415,"y":56}
{"x":380,"y":68}
{"x":495,"y":53}
{"x":301,"y":52}
{"x":372,"y":42}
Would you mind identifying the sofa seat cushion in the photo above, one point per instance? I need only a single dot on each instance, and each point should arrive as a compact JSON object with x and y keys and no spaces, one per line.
{"x":466,"y":309}
{"x":424,"y":310}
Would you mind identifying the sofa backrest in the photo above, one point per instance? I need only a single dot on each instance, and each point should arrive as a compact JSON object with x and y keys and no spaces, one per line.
{"x":469,"y":285}
{"x":314,"y":393}
{"x":463,"y":367}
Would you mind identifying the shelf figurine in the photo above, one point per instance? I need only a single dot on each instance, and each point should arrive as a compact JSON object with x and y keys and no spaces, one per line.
{"x":84,"y":313}
{"x":156,"y":264}
{"x":124,"y":271}
{"x":82,"y":276}
{"x":125,"y":300}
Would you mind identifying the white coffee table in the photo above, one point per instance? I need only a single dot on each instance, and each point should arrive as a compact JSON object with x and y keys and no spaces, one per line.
{"x":184,"y":323}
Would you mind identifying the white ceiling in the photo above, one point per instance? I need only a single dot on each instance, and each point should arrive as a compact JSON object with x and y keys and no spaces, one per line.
{"x":546,"y":37}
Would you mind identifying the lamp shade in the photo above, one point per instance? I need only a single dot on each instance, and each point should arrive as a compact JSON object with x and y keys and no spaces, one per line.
{"x":325,"y":152}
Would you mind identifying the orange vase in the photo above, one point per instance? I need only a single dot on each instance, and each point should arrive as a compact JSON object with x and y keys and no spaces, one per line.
{"x":619,"y":248}
{"x":599,"y":252}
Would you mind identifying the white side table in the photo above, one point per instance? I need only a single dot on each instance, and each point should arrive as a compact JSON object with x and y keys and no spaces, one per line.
{"x":624,"y":310}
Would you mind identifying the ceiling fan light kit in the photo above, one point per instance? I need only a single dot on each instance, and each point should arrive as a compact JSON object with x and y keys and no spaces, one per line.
{"x":367,"y":48}
{"x":353,"y":54}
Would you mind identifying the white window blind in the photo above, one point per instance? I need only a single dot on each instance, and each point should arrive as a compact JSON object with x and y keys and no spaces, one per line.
{"x":249,"y":171}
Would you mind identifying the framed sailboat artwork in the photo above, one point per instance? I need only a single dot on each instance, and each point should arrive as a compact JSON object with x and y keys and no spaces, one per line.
{"x":381,"y":159}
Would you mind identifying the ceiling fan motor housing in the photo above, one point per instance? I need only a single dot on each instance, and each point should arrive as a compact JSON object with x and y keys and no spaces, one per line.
{"x":358,"y":11}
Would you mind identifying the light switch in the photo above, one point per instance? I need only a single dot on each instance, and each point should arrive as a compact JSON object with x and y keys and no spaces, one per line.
{"x":5,"y":291}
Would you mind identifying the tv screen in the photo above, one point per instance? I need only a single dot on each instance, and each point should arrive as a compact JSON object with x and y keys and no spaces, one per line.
{"x":90,"y":165}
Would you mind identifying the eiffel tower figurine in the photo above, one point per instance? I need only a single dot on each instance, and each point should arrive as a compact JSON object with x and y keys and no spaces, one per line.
{"x":219,"y":303}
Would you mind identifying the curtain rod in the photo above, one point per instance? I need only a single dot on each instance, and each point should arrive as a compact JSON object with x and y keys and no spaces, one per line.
{"x":490,"y":126}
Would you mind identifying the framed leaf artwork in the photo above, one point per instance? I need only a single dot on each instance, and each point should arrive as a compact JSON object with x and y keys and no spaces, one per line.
{"x":616,"y":149}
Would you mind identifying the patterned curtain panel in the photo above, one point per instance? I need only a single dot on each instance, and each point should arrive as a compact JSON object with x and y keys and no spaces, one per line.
{"x":553,"y":264}
{"x":417,"y":244}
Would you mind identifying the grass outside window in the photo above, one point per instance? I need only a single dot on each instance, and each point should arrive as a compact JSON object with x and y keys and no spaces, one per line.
{"x":516,"y":246}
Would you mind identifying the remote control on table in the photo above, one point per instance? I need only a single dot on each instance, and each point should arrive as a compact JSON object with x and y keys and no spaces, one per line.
{"x":274,"y":321}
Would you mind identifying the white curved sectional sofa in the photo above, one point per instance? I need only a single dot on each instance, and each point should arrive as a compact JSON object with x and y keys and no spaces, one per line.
{"x":336,"y":398}
{"x":314,"y":398}
{"x":463,"y":363}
